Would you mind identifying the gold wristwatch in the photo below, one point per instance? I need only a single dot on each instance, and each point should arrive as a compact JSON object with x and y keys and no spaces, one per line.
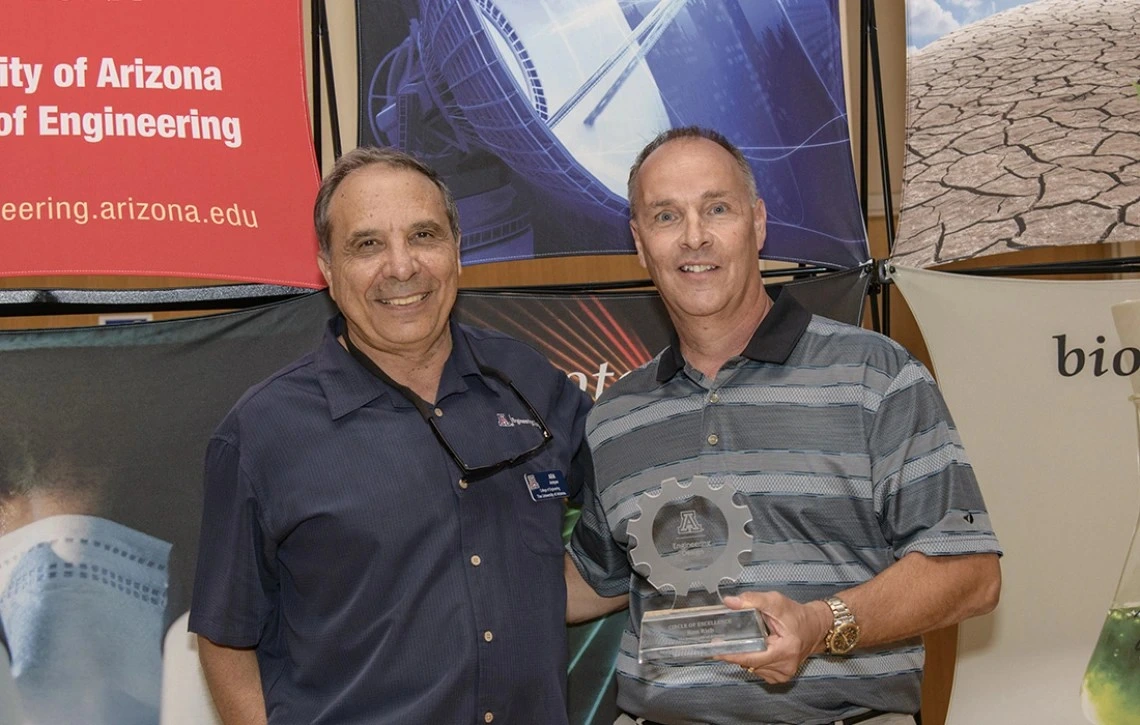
{"x":844,"y":634}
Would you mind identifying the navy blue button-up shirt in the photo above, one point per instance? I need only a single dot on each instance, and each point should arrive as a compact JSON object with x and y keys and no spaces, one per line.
{"x":339,"y":539}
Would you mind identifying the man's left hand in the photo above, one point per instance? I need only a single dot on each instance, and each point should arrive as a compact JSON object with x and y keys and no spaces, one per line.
{"x":794,"y":632}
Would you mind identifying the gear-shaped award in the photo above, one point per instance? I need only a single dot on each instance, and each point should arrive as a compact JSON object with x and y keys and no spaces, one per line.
{"x":686,"y":537}
{"x":690,"y":535}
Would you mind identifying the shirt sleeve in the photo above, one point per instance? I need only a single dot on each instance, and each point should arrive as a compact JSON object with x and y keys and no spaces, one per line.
{"x":234,"y":576}
{"x":578,"y":405}
{"x":926,"y":495}
{"x":602,"y":563}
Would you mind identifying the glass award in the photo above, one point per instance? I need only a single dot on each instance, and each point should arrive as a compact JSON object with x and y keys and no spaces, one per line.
{"x":687,"y":540}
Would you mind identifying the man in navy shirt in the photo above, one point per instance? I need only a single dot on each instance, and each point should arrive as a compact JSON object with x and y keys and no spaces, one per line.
{"x":381,"y":535}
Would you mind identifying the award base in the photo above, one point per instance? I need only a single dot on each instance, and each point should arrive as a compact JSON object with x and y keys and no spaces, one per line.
{"x":692,"y":634}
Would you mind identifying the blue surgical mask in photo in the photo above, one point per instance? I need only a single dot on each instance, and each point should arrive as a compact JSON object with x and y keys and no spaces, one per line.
{"x":82,"y":603}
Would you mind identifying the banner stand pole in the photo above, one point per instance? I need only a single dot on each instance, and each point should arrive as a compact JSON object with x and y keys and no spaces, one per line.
{"x":863,"y":98}
{"x":869,"y":48}
{"x":315,"y":65}
{"x":334,"y":114}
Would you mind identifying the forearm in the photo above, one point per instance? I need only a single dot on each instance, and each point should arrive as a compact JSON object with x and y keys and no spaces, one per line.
{"x":582,"y":602}
{"x":914,"y":595}
{"x":920,"y":593}
{"x":235,"y":683}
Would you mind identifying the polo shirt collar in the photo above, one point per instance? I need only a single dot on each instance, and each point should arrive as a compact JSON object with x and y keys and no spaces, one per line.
{"x":772,"y":342}
{"x":347,"y":385}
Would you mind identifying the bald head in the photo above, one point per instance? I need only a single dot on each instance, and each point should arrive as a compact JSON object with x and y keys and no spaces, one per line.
{"x":681,"y":134}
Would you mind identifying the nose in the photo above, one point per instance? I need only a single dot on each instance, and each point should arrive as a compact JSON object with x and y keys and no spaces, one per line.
{"x":694,"y":232}
{"x":401,"y":263}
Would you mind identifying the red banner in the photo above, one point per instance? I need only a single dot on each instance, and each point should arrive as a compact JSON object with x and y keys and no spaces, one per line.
{"x":156,"y":137}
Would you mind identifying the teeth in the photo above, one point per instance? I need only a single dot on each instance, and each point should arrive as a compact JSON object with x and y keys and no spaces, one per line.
{"x":697,"y":267}
{"x":404,"y":301}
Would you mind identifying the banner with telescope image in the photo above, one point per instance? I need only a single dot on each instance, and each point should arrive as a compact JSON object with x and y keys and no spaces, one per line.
{"x":534,"y":112}
{"x":147,"y":137}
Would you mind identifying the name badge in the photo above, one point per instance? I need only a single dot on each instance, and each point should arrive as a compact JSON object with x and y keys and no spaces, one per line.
{"x":546,"y":485}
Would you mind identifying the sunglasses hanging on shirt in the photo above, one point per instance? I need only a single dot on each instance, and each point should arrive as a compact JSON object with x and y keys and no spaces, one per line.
{"x":427,"y":412}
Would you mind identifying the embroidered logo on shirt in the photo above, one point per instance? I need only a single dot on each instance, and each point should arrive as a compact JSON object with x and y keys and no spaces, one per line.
{"x":509,"y":421}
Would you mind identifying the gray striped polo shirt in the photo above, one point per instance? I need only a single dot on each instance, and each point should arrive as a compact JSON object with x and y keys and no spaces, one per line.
{"x":848,"y":459}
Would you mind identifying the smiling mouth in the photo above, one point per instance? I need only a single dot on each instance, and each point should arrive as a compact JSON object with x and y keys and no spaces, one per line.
{"x":698,"y":267}
{"x":404,"y":301}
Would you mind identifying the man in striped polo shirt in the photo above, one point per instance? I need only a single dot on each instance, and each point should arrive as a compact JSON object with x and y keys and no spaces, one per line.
{"x":868,"y":527}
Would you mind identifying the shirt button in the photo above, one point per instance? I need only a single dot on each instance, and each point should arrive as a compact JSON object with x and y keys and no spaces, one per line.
{"x":714,"y":398}
{"x":713,"y":439}
{"x":488,"y":716}
{"x":438,"y":412}
{"x":487,"y":636}
{"x":475,"y":560}
{"x":463,"y":483}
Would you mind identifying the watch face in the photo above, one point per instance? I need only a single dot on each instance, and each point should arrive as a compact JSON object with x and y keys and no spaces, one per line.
{"x":844,"y":638}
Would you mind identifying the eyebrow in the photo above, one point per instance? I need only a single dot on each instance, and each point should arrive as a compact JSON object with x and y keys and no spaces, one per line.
{"x":716,"y":194}
{"x":361,"y":234}
{"x":426,"y":225}
{"x":712,"y":194}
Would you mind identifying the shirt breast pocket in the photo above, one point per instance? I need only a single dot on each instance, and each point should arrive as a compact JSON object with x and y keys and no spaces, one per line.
{"x":539,"y":522}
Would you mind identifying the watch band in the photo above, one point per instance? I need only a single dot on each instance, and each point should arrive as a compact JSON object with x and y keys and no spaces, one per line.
{"x":844,"y":633}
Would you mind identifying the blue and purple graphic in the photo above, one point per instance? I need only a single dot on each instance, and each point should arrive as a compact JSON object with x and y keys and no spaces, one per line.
{"x":534,"y":111}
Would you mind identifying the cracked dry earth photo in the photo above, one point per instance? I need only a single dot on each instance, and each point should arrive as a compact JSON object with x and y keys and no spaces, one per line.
{"x":1024,"y":131}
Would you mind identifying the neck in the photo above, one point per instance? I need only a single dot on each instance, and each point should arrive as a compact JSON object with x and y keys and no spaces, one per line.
{"x":418,"y":370}
{"x":707,"y":344}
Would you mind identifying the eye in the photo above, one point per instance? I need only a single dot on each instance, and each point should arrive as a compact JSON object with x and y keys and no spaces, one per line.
{"x":365,"y":245}
{"x":665,"y":217}
{"x":718,"y":209}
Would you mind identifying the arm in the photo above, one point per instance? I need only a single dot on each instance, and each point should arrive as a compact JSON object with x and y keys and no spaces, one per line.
{"x":230,"y":601}
{"x":582,"y":602}
{"x":916,"y":594}
{"x":921,"y":512}
{"x":235,"y":683}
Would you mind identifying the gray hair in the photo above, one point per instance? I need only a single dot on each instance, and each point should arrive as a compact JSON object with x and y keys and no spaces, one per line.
{"x":363,"y":157}
{"x":689,"y":132}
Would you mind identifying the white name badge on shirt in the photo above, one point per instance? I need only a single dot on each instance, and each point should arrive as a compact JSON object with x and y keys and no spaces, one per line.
{"x":546,"y":485}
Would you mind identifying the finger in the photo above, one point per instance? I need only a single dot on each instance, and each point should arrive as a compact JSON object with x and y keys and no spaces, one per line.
{"x":775,"y":625}
{"x":734,"y":602}
{"x":763,"y":658}
{"x":771,"y":675}
{"x":743,"y":660}
{"x":746,"y":600}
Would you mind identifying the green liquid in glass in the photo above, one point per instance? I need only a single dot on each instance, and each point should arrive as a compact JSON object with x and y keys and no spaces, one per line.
{"x":1111,"y":689}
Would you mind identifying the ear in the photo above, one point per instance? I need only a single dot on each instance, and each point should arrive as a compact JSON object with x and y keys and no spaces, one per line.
{"x":326,"y":272}
{"x":458,"y":255}
{"x":760,"y":223}
{"x":637,"y":243}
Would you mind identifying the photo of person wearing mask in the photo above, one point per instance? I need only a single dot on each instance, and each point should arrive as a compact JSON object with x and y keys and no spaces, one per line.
{"x":82,"y":598}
